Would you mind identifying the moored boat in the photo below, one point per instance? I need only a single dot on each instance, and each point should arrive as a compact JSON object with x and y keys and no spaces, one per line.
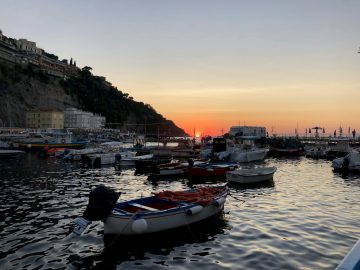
{"x":217,"y":169}
{"x":163,"y":211}
{"x":285,"y":147}
{"x":176,"y":168}
{"x":130,"y":160}
{"x":351,"y":162}
{"x":50,"y":139}
{"x":340,"y":149}
{"x":146,"y":165}
{"x":251,"y":176}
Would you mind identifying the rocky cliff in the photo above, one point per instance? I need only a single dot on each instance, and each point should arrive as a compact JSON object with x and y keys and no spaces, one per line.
{"x":23,"y":88}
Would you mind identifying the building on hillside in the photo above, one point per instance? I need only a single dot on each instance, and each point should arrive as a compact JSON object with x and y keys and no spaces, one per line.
{"x":248,"y":131}
{"x":25,"y":45}
{"x":45,"y":118}
{"x":25,"y":52}
{"x":74,"y":118}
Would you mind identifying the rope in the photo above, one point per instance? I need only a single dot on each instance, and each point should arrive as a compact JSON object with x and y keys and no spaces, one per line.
{"x":242,"y":201}
{"x":118,"y":235}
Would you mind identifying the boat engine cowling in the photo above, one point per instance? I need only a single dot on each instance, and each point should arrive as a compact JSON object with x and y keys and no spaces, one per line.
{"x":101,"y":201}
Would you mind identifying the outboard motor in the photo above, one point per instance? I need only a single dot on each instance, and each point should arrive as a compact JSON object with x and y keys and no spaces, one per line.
{"x":101,"y":201}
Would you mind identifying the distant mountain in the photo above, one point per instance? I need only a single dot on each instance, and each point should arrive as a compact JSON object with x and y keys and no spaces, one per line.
{"x":27,"y":87}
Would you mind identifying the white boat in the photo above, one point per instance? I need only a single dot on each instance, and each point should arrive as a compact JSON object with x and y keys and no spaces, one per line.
{"x":341,"y":149}
{"x":75,"y":154}
{"x":250,"y":176}
{"x":97,"y":160}
{"x":226,"y":150}
{"x":316,"y":151}
{"x":162,"y":211}
{"x":130,"y":161}
{"x":245,"y":154}
{"x":170,"y":169}
{"x":351,"y":162}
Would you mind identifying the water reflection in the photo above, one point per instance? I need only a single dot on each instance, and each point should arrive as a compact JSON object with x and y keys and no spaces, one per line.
{"x":306,"y":218}
{"x":118,"y":249}
{"x":240,"y":187}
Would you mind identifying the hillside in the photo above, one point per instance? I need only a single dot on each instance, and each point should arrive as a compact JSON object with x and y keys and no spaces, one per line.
{"x":26,"y":88}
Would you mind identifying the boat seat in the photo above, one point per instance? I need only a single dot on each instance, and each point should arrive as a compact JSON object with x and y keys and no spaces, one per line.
{"x":143,"y":207}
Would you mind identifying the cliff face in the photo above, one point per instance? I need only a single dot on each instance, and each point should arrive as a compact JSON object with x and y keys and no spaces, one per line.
{"x":26,"y":88}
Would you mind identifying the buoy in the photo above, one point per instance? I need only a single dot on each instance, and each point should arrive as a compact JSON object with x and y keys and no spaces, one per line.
{"x":194,"y":210}
{"x":139,"y":225}
{"x":219,"y":202}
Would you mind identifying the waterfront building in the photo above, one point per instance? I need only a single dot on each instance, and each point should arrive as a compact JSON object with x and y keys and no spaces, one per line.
{"x":75,"y":118}
{"x":45,"y":118}
{"x":247,"y":131}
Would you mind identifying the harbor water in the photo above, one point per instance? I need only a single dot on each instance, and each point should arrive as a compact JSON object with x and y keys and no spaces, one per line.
{"x":307,"y":218}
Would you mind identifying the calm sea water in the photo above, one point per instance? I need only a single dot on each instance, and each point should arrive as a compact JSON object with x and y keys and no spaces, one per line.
{"x":308,"y":218}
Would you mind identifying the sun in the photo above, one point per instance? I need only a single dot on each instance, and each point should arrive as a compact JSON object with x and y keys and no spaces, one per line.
{"x":197,"y":135}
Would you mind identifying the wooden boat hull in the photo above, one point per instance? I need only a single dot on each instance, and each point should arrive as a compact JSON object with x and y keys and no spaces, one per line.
{"x":145,"y":222}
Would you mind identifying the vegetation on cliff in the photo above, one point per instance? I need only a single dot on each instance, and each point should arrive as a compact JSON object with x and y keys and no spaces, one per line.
{"x":91,"y":93}
{"x":98,"y":96}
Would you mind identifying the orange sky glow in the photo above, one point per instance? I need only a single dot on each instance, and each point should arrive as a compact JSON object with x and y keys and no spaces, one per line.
{"x":210,"y":65}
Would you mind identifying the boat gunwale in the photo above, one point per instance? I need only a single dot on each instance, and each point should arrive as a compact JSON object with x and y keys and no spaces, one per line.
{"x":180,"y":208}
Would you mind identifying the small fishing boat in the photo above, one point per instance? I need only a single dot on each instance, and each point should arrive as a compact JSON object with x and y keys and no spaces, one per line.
{"x":131,"y":159}
{"x":211,"y":169}
{"x":97,"y":160}
{"x":176,"y":168}
{"x":170,"y":169}
{"x":150,"y":164}
{"x":351,"y":162}
{"x":285,"y":147}
{"x":163,"y":211}
{"x":316,"y":151}
{"x":251,"y":176}
{"x":50,"y":138}
{"x":341,"y":149}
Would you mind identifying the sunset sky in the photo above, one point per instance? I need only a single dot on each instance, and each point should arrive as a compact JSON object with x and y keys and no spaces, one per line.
{"x":212,"y":64}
